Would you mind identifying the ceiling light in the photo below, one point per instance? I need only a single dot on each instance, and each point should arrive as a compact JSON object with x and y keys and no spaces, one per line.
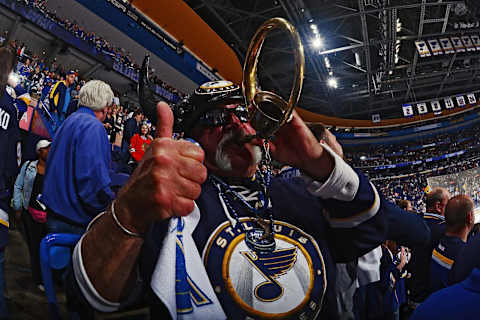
{"x":313,"y":26}
{"x":317,"y":42}
{"x":332,"y":82}
{"x":327,"y":62}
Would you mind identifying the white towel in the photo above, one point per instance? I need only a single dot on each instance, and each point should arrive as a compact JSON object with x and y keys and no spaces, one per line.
{"x":163,"y":279}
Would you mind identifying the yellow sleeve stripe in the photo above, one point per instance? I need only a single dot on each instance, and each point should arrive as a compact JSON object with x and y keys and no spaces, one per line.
{"x":4,"y":218}
{"x":441,"y":259}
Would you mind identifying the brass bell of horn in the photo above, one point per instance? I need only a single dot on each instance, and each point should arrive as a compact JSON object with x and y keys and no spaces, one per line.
{"x":270,"y":111}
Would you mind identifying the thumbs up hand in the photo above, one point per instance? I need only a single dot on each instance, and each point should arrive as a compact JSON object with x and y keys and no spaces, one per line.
{"x":167,"y":180}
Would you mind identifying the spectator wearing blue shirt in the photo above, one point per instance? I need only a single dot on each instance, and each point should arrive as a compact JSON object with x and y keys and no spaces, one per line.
{"x":459,"y":301}
{"x":26,"y":69}
{"x":59,"y":97}
{"x":9,"y":159}
{"x":419,"y":265}
{"x":459,"y":220}
{"x":77,"y":180}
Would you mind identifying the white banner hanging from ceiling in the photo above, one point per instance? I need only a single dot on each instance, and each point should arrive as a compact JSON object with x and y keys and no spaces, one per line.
{"x":435,"y":47}
{"x":407,"y":110}
{"x":476,"y":41}
{"x":422,"y":48}
{"x":471,"y":98}
{"x":448,"y":103}
{"x":468,"y":43}
{"x":447,"y":45}
{"x":458,"y":44}
{"x":461,"y":101}
{"x":436,"y":107}
{"x":422,"y":108}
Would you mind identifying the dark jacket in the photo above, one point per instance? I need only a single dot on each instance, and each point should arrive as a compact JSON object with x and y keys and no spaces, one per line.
{"x":131,"y":127}
{"x":56,"y":96}
{"x":419,"y":265}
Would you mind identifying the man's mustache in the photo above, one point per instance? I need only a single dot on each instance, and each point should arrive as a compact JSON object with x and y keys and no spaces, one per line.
{"x":239,"y":137}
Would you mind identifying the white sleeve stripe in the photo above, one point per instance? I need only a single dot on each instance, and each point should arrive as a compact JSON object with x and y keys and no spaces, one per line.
{"x":88,"y":290}
{"x":342,"y":184}
{"x":358,"y":218}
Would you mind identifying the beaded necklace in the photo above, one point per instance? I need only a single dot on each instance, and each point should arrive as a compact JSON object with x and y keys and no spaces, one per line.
{"x":261,"y":238}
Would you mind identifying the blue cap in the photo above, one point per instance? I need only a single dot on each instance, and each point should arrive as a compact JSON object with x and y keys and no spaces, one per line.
{"x":71,"y":72}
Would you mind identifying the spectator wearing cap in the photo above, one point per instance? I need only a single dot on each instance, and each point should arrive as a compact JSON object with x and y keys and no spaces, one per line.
{"x":77,"y":180}
{"x":60,"y":96}
{"x":28,"y":187}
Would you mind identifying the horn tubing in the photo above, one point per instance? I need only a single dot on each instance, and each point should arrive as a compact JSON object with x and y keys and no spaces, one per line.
{"x":249,"y":84}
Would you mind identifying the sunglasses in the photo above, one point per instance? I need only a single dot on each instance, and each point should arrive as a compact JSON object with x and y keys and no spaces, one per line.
{"x":221,"y":117}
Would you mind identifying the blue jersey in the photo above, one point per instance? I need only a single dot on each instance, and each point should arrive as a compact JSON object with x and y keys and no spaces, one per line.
{"x":467,"y":260}
{"x":419,"y":265}
{"x":10,"y":155}
{"x":10,"y":159}
{"x":295,"y":280}
{"x":303,"y":235}
{"x":443,"y":257}
{"x":77,"y":178}
{"x":459,"y":301}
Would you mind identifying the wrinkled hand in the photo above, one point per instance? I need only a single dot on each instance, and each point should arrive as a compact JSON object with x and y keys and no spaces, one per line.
{"x":167,"y":180}
{"x":295,"y":145}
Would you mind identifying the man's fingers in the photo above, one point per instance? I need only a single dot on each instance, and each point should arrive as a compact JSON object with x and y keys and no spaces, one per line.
{"x":192,"y":170}
{"x":188,"y":189}
{"x":183,"y":206}
{"x":190,"y":150}
{"x":165,"y":120}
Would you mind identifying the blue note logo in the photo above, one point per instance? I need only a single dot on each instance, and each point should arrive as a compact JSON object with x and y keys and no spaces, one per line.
{"x":288,"y":282}
{"x":271,"y":266}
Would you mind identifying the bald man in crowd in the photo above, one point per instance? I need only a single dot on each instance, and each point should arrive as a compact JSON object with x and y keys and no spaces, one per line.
{"x":460,"y":300}
{"x":419,"y":265}
{"x":459,"y":220}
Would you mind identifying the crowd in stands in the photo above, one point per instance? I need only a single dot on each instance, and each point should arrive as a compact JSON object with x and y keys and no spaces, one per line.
{"x":442,"y":191}
{"x":410,"y":181}
{"x":128,"y":130}
{"x":118,"y":54}
{"x":38,"y":79}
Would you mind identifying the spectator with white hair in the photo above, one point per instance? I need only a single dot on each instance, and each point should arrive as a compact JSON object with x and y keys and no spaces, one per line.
{"x":77,"y":180}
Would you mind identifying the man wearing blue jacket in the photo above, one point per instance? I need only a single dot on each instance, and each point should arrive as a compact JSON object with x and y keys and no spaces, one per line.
{"x":212,"y":237}
{"x":459,"y":220}
{"x":77,"y":181}
{"x":59,"y":97}
{"x":419,"y":265}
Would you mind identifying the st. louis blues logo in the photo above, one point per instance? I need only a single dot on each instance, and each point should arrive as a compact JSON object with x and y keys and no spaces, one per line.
{"x":272,"y":266}
{"x":288,"y":282}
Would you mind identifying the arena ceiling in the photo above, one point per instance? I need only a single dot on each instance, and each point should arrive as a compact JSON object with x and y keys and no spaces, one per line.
{"x":368,"y":46}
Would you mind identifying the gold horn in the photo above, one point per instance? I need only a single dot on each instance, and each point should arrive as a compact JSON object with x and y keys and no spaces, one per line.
{"x":270,"y":110}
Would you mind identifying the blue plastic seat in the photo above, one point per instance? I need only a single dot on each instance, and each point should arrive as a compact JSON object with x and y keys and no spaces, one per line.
{"x":55,"y":251}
